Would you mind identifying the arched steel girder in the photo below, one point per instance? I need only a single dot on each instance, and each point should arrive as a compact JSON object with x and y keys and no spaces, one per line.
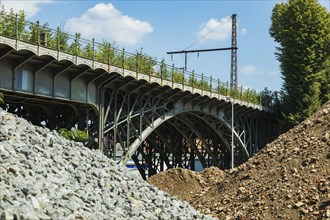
{"x":160,"y":120}
{"x":214,"y":128}
{"x":130,"y":116}
{"x":137,"y":86}
{"x":168,"y":145}
{"x":180,"y":130}
{"x":144,"y":134}
{"x":187,"y":123}
{"x":134,"y":90}
{"x":127,"y":108}
{"x":180,"y":152}
{"x":163,"y":150}
{"x":101,"y":100}
{"x":228,"y":126}
{"x":130,"y":110}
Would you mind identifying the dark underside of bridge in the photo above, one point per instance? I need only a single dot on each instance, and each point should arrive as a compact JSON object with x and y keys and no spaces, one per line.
{"x":47,"y":112}
{"x":183,"y":141}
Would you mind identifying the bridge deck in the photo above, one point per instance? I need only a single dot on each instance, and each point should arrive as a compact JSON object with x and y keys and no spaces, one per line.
{"x":92,"y":70}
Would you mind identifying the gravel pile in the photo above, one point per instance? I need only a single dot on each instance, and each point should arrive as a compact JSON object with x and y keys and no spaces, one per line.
{"x":44,"y":176}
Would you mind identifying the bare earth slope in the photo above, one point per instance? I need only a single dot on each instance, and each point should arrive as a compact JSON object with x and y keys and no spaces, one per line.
{"x":288,"y":179}
{"x":184,"y":183}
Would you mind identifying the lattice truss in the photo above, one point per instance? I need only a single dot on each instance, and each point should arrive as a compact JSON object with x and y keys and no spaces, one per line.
{"x":175,"y":141}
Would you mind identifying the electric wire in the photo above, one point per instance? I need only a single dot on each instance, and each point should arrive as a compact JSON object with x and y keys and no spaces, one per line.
{"x":198,"y":40}
{"x":203,"y":37}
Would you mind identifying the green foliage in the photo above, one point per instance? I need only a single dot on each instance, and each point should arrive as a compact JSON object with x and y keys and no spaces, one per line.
{"x":1,"y":98}
{"x":34,"y":33}
{"x":74,"y":134}
{"x":266,"y":96}
{"x":234,"y":93}
{"x":223,"y":89}
{"x":164,"y":72}
{"x":145,"y":63}
{"x":202,"y":84}
{"x":20,"y":23}
{"x":61,"y":40}
{"x":271,"y":99}
{"x":106,"y":53}
{"x":88,"y":50}
{"x":11,"y":24}
{"x":192,"y":81}
{"x":178,"y":77}
{"x":250,"y":96}
{"x":8,"y":23}
{"x":324,"y":78}
{"x":302,"y":28}
{"x":75,"y":47}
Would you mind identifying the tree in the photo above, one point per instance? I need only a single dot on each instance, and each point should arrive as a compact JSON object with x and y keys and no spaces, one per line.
{"x":178,"y":77}
{"x":106,"y":52}
{"x":302,"y":29}
{"x":325,"y":81}
{"x":61,"y":40}
{"x":34,"y":32}
{"x":88,"y":51}
{"x":8,"y":23}
{"x":145,"y":62}
{"x":11,"y":24}
{"x":20,"y":24}
{"x":46,"y":38}
{"x":75,"y":47}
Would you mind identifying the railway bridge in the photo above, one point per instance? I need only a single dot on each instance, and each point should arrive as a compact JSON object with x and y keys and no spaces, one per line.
{"x":151,"y":118}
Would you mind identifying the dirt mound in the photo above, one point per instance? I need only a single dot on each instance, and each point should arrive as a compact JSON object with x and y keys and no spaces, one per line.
{"x":212,"y":175}
{"x":184,"y":183}
{"x":288,"y":179}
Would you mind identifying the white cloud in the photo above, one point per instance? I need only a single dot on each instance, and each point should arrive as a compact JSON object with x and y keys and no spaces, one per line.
{"x":30,"y":8}
{"x":249,"y":70}
{"x":104,"y":21}
{"x":215,"y":30}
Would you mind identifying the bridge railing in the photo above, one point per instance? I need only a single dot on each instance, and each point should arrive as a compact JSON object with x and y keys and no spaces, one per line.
{"x":15,"y":26}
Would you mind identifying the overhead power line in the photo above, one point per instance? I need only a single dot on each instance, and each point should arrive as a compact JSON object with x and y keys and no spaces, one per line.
{"x":233,"y":48}
{"x":197,"y":51}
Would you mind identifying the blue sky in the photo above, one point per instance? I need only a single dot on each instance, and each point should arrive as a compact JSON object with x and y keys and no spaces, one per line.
{"x":162,"y":26}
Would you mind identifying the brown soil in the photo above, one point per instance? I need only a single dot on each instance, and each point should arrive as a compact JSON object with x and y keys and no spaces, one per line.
{"x":184,"y":184}
{"x":288,"y":179}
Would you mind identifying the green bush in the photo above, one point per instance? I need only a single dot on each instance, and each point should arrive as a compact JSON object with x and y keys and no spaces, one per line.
{"x":74,"y":134}
{"x":1,"y":98}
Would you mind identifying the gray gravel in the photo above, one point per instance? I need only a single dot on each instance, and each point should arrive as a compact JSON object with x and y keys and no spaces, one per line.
{"x":44,"y":176}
